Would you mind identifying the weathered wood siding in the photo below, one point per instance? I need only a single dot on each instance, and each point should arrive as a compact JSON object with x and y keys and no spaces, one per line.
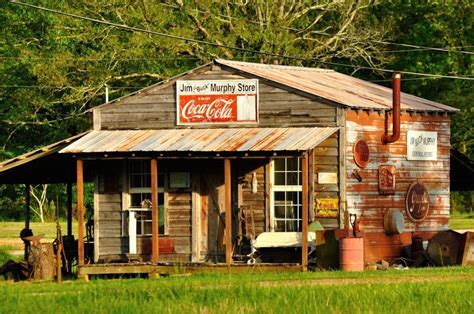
{"x":111,"y":242}
{"x":326,"y":159}
{"x":252,"y":206}
{"x":178,"y":208}
{"x":156,"y":107}
{"x":363,"y":198}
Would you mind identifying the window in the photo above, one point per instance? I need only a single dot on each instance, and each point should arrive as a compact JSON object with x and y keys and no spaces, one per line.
{"x":140,"y":198}
{"x":286,"y":194}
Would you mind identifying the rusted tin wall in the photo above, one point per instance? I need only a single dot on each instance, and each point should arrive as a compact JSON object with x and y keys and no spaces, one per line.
{"x":155,"y":108}
{"x":364,"y":199}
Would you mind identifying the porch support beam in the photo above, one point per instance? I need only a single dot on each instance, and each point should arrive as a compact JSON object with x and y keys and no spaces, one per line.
{"x":228,"y":212}
{"x":305,"y":210}
{"x":27,"y":215}
{"x":80,"y":212}
{"x":69,"y":208}
{"x":155,"y":254}
{"x":27,"y":205}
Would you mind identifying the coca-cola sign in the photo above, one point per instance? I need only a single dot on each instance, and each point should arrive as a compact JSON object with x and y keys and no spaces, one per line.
{"x":217,"y":102}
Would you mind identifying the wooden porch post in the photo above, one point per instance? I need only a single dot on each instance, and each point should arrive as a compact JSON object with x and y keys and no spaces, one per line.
{"x":228,"y":212}
{"x":155,"y":254}
{"x":69,"y":208}
{"x":27,"y":214}
{"x":80,"y":212}
{"x":27,"y":206}
{"x":305,"y":209}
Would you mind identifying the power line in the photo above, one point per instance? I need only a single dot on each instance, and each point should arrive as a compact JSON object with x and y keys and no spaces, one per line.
{"x":204,"y":42}
{"x":52,"y":86}
{"x":418,"y":48}
{"x":98,"y":59}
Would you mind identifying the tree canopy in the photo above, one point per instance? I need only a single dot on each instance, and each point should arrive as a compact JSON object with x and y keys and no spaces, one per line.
{"x":53,"y":67}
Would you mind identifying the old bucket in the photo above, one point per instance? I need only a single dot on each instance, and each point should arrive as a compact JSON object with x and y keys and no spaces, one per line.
{"x":351,"y":253}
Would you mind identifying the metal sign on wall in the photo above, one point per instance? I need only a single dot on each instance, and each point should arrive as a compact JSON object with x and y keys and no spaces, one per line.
{"x":422,"y":145}
{"x":217,"y":102}
{"x":417,"y":201}
{"x":386,"y":179}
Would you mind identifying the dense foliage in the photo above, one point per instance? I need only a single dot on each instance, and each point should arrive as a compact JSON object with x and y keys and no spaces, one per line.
{"x":54,"y":67}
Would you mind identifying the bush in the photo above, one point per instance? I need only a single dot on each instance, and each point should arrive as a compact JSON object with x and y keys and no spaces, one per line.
{"x":462,"y":202}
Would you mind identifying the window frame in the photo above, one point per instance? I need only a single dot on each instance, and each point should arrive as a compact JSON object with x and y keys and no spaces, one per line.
{"x":284,"y":188}
{"x":129,"y":221}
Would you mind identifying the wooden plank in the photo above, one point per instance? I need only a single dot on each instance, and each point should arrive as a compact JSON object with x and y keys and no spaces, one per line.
{"x":154,"y":208}
{"x":311,"y":185}
{"x":228,"y":211}
{"x":96,"y":119}
{"x":305,"y":209}
{"x":80,"y":212}
{"x":69,"y":208}
{"x":196,"y":217}
{"x":103,"y":269}
{"x":97,"y":220}
{"x":27,"y":205}
{"x":27,"y":214}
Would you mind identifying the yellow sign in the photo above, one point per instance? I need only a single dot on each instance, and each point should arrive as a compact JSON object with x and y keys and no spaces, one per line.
{"x":327,"y":207}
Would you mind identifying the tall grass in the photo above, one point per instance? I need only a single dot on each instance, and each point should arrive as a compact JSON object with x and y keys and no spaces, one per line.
{"x":5,"y":254}
{"x":220,"y":293}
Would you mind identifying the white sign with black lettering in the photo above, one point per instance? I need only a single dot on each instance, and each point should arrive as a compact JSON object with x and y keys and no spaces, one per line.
{"x":422,"y":145}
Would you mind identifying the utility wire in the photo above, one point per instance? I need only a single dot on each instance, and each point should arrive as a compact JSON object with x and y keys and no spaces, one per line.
{"x":186,"y":39}
{"x":417,"y":47}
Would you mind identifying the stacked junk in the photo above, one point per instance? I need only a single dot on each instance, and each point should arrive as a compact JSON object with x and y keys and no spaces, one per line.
{"x":445,"y":248}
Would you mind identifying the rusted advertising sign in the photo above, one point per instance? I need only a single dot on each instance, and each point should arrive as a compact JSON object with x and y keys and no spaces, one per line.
{"x":386,"y":179}
{"x":361,"y":153}
{"x":217,"y":102}
{"x":327,"y":207}
{"x":417,"y":202}
{"x":422,"y":145}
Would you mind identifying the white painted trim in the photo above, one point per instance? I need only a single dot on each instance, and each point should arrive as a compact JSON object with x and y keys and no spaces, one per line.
{"x":272,"y":197}
{"x":132,"y":233}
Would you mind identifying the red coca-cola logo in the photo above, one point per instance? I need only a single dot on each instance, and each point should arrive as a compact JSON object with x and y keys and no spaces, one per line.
{"x":208,"y":109}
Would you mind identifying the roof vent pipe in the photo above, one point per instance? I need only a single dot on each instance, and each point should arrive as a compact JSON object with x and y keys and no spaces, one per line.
{"x":386,"y":139}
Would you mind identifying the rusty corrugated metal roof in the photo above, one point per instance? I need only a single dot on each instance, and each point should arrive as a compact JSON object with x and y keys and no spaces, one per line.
{"x":201,"y":140}
{"x":39,"y":153}
{"x":334,"y":86}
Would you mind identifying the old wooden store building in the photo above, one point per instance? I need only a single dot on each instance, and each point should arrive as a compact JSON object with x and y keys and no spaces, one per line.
{"x":234,"y":162}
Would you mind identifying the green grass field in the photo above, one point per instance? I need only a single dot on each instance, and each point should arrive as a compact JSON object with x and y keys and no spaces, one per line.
{"x":447,"y":290}
{"x":11,"y":229}
{"x":461,"y":221}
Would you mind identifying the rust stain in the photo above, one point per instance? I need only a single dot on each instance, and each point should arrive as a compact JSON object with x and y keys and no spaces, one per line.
{"x":202,"y":140}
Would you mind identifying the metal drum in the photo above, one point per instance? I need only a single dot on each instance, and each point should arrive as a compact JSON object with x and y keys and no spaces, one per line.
{"x":393,"y":222}
{"x":351,"y":254}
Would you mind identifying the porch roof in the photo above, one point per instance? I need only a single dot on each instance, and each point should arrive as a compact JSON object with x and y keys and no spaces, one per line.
{"x":201,"y":140}
{"x":43,"y":165}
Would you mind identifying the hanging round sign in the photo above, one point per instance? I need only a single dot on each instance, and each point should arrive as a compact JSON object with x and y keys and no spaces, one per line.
{"x":417,"y":202}
{"x":361,"y":153}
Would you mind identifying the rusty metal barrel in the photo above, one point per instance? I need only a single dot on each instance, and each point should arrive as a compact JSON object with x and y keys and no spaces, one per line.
{"x":393,"y":222}
{"x":351,"y":254}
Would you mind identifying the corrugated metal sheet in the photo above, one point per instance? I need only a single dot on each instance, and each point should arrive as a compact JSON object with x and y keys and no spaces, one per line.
{"x":335,"y":86}
{"x":201,"y":140}
{"x":39,"y":153}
